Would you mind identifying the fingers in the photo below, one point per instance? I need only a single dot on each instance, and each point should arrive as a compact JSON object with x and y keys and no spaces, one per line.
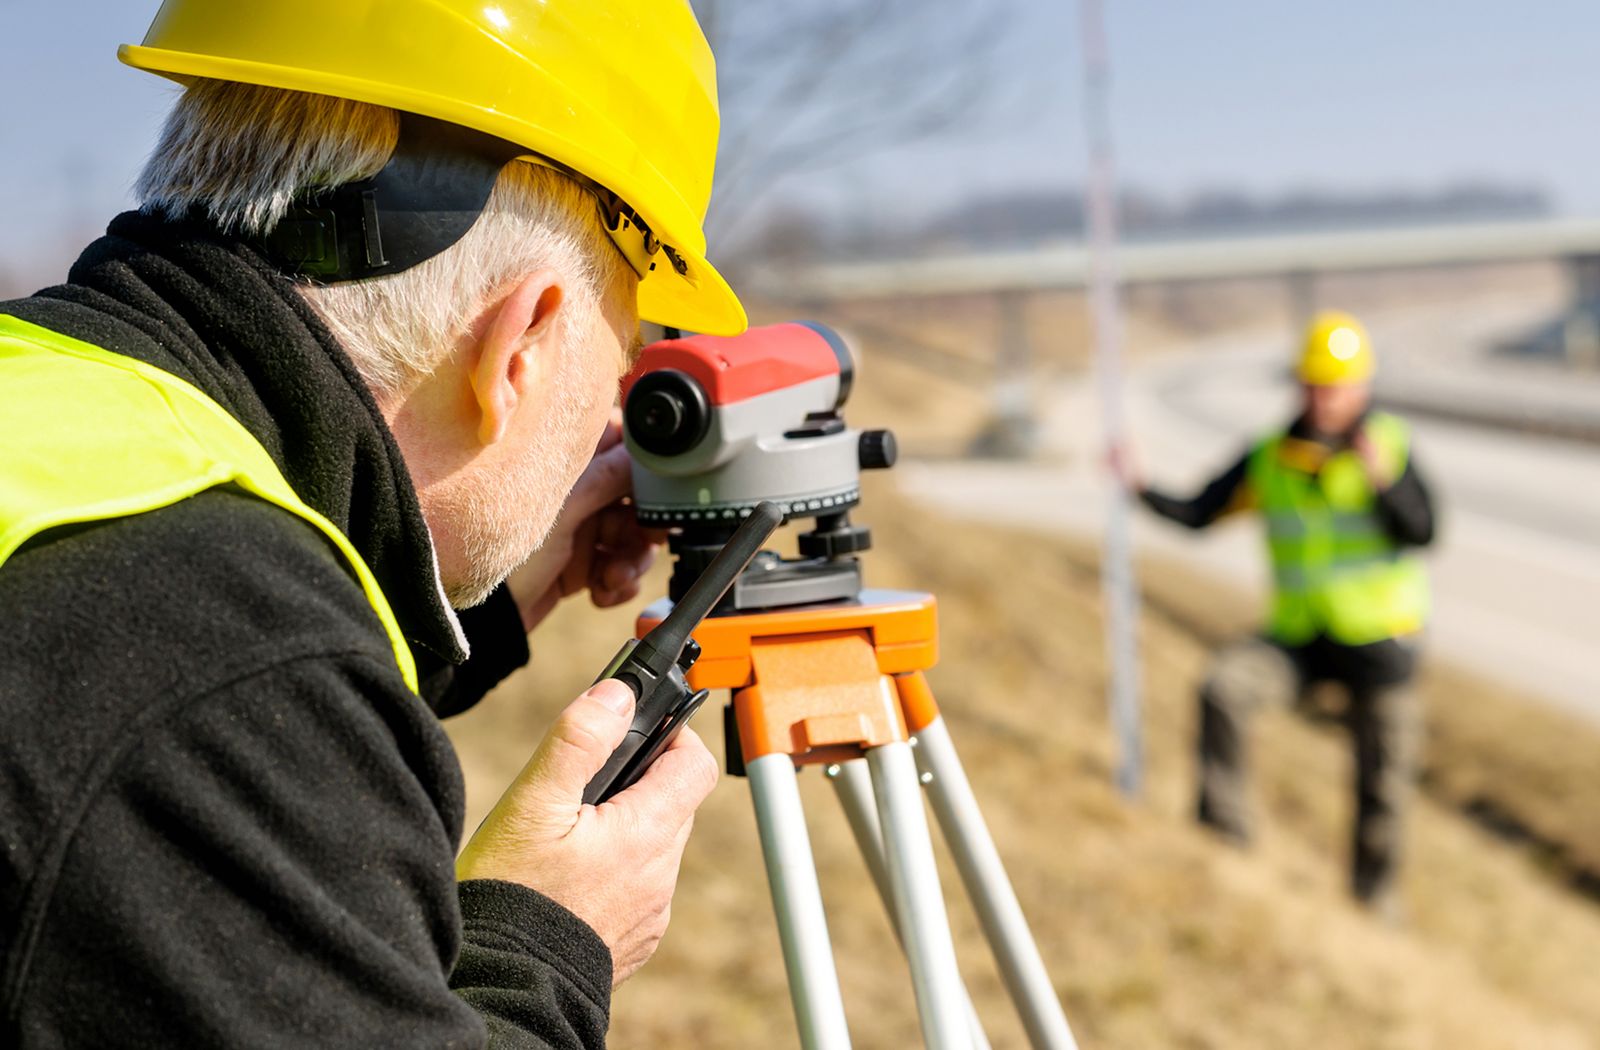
{"x":666,"y":797}
{"x":626,"y":553}
{"x":607,"y":478}
{"x":612,"y":435}
{"x":618,"y":524}
{"x":1123,"y":464}
{"x":615,"y":572}
{"x":577,"y":745}
{"x":580,"y":566}
{"x":621,"y":534}
{"x":610,"y":550}
{"x":610,"y":599}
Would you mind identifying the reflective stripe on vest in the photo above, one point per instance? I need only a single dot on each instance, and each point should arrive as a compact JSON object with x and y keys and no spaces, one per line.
{"x":90,"y":435}
{"x":1336,"y":571}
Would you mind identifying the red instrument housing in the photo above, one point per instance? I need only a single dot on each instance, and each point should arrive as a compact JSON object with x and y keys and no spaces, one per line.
{"x":734,"y":368}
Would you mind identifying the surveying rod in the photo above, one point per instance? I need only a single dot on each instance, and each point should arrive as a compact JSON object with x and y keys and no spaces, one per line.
{"x":1105,"y":311}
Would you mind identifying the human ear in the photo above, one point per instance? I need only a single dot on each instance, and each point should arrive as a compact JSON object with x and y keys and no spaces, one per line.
{"x":519,"y":335}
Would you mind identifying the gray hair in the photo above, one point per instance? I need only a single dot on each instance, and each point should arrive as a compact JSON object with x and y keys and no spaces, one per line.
{"x":243,"y":153}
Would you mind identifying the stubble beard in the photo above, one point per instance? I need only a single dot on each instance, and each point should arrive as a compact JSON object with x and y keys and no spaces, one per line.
{"x":502,"y":521}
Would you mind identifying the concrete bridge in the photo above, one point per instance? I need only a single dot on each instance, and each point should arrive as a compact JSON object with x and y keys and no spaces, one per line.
{"x":1297,"y":259}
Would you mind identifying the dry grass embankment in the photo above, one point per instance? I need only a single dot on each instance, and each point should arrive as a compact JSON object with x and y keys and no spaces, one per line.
{"x":1157,"y":936}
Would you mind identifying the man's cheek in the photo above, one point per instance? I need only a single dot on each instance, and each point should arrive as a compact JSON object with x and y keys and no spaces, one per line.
{"x":600,"y":408}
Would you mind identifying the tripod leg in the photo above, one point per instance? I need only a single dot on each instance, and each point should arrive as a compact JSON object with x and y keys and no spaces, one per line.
{"x":917,"y":897}
{"x":853,"y":784}
{"x":797,"y":901}
{"x":990,"y":889}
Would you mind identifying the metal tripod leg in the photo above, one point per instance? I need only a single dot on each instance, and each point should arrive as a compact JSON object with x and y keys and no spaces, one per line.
{"x":990,"y":889}
{"x":797,"y":901}
{"x":853,"y":784}
{"x":918,"y":901}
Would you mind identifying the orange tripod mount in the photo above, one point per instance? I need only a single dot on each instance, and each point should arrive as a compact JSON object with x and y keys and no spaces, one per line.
{"x":842,"y":685}
{"x":811,"y":682}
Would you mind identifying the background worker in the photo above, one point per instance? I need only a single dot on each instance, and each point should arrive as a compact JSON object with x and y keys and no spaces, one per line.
{"x":1343,"y":504}
{"x":270,"y":456}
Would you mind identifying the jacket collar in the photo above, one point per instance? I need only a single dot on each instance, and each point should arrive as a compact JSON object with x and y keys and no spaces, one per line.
{"x":185,"y":298}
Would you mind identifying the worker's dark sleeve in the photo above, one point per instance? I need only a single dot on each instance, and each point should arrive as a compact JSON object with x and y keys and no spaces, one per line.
{"x":1212,"y":502}
{"x":1406,"y":509}
{"x":498,"y":646}
{"x":537,"y":975}
{"x":268,"y":869}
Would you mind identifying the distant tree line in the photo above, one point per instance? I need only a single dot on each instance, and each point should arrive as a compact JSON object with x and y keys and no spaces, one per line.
{"x":1031,"y":218}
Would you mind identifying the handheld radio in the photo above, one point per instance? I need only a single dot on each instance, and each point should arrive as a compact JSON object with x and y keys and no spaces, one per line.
{"x":653,"y":666}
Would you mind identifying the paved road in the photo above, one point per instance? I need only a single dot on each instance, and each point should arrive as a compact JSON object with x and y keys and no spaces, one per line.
{"x":1517,"y":570}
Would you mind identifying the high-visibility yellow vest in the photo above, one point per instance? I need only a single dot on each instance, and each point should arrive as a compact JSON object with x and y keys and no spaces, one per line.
{"x":88,"y":435}
{"x":1336,"y":572}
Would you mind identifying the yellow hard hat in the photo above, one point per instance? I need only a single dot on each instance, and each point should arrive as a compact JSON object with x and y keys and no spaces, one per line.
{"x":1337,"y":351}
{"x":621,"y":92}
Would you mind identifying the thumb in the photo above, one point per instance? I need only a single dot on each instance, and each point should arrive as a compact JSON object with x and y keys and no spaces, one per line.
{"x":577,"y":745}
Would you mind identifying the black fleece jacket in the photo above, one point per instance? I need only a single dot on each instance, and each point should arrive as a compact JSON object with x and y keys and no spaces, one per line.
{"x":226,"y":820}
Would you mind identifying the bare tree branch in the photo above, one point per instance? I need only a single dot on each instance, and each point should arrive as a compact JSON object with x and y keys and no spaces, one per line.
{"x":806,"y":87}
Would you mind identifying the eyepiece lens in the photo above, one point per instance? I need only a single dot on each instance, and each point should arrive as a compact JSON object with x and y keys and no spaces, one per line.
{"x":660,"y":416}
{"x":667,"y":413}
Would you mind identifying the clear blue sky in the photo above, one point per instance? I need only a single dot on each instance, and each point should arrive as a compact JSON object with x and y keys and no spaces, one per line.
{"x":1266,"y":95}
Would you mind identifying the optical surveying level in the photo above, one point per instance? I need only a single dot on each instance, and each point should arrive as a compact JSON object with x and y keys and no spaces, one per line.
{"x":821,"y":671}
{"x":717,"y":425}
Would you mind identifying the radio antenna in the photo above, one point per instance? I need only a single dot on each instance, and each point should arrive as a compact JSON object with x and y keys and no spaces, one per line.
{"x":659,"y":649}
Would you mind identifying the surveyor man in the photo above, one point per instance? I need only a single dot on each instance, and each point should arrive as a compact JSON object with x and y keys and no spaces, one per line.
{"x":269,"y":458}
{"x":1344,"y":506}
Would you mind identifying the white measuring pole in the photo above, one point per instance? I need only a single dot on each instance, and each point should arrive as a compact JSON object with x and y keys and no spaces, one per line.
{"x":1105,"y":318}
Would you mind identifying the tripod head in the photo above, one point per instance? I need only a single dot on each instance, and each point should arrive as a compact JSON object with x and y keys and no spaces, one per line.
{"x":718,"y":425}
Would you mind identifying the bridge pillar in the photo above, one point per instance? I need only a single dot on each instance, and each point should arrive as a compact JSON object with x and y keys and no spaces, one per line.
{"x":1012,"y":431}
{"x":1585,"y":273}
{"x":1580,"y":331}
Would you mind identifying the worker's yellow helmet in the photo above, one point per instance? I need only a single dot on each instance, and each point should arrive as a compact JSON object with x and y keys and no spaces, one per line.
{"x":1337,"y":351}
{"x":623,"y":92}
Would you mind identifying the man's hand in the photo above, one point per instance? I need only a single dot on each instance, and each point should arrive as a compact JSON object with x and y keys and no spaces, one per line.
{"x":614,"y":865}
{"x":1124,"y":466}
{"x":597,"y":543}
{"x":1377,"y":471}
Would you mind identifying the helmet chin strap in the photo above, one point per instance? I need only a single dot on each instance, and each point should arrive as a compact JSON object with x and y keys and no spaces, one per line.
{"x":424,"y":200}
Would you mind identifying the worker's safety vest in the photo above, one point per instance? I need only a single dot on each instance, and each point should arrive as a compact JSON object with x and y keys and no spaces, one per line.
{"x":1336,"y":571}
{"x":88,"y":435}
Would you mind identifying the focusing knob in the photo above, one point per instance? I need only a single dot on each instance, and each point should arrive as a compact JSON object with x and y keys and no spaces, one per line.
{"x":667,"y":413}
{"x":691,"y":653}
{"x":835,"y":537}
{"x":878,"y":450}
